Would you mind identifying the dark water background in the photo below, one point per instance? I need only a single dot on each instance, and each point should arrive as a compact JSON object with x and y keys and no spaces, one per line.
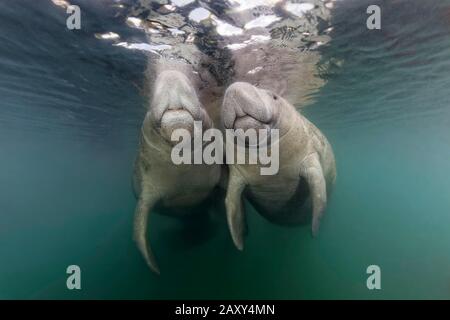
{"x":70,"y":112}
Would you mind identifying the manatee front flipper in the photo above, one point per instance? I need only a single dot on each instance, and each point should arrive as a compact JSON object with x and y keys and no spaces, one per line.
{"x":145,"y":203}
{"x":312,"y":171}
{"x":235,"y":207}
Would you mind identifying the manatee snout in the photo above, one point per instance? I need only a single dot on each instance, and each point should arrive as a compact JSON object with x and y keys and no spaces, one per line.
{"x":248,"y":107}
{"x":175,"y":105}
{"x":173,"y":120}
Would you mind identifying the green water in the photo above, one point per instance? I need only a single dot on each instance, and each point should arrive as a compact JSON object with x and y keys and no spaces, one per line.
{"x":390,"y":207}
{"x":66,"y":198}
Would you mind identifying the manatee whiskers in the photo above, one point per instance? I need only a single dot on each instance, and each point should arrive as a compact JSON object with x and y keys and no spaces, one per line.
{"x":306,"y":172}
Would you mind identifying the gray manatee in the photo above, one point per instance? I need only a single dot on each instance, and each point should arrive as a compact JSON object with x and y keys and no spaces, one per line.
{"x":307,"y":167}
{"x":157,"y":180}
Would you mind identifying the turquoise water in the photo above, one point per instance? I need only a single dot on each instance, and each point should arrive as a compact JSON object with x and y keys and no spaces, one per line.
{"x":70,"y":112}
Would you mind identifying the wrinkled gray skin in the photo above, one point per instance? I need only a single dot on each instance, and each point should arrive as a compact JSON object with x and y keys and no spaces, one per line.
{"x":157,"y":181}
{"x":307,"y":166}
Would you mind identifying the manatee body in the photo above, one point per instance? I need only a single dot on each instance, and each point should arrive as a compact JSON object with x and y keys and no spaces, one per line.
{"x":307,"y":167}
{"x":158,"y":182}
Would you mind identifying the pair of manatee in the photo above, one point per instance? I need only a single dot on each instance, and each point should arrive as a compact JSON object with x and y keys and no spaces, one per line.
{"x":306,"y":162}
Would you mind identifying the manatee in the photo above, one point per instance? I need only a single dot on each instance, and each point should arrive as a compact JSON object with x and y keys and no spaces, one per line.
{"x":158,"y":182}
{"x":307,"y":169}
{"x":212,"y":53}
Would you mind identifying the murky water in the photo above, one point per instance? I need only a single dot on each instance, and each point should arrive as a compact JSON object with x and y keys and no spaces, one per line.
{"x":71,"y":107}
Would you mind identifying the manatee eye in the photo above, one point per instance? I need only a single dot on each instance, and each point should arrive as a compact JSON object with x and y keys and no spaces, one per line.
{"x":275,"y":97}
